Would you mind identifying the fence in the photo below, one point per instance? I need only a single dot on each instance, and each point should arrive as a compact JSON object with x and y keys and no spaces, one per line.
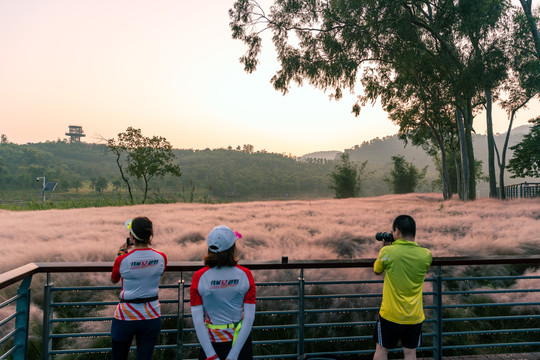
{"x":524,"y":190}
{"x":315,"y":308}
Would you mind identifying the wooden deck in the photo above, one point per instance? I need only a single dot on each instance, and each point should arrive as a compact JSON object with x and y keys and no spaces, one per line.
{"x":522,"y":356}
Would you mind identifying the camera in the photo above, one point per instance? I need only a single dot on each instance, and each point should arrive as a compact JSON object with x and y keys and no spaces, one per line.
{"x":128,"y":241}
{"x":384,"y":236}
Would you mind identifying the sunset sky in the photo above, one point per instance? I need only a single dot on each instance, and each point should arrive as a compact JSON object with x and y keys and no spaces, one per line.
{"x":168,"y":67}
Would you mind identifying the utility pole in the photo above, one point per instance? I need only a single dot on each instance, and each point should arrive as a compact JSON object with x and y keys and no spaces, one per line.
{"x":43,"y":189}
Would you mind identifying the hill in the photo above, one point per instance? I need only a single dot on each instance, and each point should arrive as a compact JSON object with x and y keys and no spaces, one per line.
{"x":207,"y":175}
{"x":378,"y":153}
{"x":219,"y":174}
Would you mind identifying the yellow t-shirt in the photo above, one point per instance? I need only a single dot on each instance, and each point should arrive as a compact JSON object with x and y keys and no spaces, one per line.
{"x":406,"y":265}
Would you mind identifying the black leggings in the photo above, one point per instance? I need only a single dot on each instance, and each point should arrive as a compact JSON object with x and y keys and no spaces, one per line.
{"x":145,"y":333}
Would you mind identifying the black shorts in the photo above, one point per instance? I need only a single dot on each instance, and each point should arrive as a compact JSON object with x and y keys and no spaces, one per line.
{"x":388,"y":333}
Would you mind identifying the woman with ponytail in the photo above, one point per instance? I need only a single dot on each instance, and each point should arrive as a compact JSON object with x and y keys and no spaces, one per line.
{"x":138,"y":314}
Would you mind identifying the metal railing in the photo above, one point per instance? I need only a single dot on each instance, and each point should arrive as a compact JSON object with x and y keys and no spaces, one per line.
{"x":523,"y":190}
{"x":307,"y":307}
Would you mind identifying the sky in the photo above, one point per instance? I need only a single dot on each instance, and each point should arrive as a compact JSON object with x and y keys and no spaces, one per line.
{"x":169,"y":68}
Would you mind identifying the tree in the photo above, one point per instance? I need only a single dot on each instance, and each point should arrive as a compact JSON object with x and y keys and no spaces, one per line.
{"x":523,"y":83}
{"x":526,"y":159}
{"x":333,"y":44}
{"x":99,"y":184}
{"x":347,"y":177}
{"x":404,"y":177}
{"x":77,"y":184}
{"x":532,"y":24}
{"x":142,"y":158}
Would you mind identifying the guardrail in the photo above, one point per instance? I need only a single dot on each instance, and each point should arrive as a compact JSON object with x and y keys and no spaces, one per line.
{"x":523,"y":190}
{"x":305,"y":307}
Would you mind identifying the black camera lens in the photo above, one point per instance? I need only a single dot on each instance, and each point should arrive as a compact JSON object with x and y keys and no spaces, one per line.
{"x":384,"y":236}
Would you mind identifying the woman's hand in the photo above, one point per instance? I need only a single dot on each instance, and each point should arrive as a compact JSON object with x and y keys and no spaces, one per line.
{"x":123,"y":250}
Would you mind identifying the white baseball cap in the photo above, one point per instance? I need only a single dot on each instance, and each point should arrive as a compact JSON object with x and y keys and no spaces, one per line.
{"x":221,"y":238}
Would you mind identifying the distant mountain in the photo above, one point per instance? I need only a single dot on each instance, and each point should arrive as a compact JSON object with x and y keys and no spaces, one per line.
{"x":325,"y":155}
{"x":380,"y":151}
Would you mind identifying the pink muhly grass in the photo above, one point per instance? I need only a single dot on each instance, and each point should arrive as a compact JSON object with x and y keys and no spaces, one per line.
{"x":301,"y":230}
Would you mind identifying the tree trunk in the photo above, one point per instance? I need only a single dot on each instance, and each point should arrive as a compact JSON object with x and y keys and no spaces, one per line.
{"x":117,"y":153}
{"x":145,"y":188}
{"x":491,"y":146}
{"x":527,"y":9}
{"x":447,"y":190}
{"x":446,"y":186}
{"x":458,"y":177}
{"x":468,"y":119}
{"x":464,"y":168}
{"x":502,"y":160}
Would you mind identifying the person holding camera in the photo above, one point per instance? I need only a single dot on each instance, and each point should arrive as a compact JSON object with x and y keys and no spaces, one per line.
{"x":222,"y":296}
{"x":138,"y":314}
{"x":401,"y":315}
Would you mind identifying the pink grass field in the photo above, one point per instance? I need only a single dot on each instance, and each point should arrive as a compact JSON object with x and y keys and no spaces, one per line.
{"x":301,"y":230}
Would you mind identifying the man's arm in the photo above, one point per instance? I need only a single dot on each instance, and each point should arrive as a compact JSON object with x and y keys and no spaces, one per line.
{"x":378,"y":266}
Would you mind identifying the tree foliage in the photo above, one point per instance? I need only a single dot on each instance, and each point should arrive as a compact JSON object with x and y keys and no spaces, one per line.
{"x":404,"y":177}
{"x":526,"y":159}
{"x":424,"y":60}
{"x":347,"y":177}
{"x":142,"y":158}
{"x":99,"y":184}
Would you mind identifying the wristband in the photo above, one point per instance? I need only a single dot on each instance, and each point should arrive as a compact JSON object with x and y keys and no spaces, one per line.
{"x":213,"y":357}
{"x":122,"y":251}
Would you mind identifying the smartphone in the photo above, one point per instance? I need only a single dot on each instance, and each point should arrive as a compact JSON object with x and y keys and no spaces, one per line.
{"x":128,"y":241}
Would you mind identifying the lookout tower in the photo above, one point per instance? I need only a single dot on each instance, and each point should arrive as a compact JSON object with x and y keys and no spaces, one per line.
{"x":75,"y":133}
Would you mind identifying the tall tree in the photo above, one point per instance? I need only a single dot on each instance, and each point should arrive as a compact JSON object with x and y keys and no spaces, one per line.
{"x":404,"y":176}
{"x":526,"y":159}
{"x":532,"y":24}
{"x":143,"y":157}
{"x":347,"y":177}
{"x":330,"y":43}
{"x":523,"y":82}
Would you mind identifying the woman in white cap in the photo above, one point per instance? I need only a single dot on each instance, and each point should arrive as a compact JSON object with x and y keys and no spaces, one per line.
{"x":138,"y":314}
{"x":223,"y":300}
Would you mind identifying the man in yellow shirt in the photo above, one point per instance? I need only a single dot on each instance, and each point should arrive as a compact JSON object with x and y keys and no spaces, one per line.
{"x":401,"y":313}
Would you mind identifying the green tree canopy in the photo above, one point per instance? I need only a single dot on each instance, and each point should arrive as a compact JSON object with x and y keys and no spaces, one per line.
{"x":404,"y":177}
{"x":526,"y":159}
{"x":347,"y":177}
{"x":99,"y":184}
{"x":425,"y":56}
{"x":142,"y":158}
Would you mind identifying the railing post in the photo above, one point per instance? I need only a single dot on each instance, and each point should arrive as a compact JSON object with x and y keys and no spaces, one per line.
{"x":180,"y":312}
{"x":437,"y":328}
{"x":301,"y":304}
{"x":22,"y":320}
{"x":46,"y":341}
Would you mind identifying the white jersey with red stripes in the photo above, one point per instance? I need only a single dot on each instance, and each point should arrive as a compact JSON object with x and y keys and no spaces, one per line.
{"x":222,"y":293}
{"x":140,"y":271}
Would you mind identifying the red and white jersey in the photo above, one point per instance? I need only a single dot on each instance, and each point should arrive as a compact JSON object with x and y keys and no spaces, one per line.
{"x":222,"y":292}
{"x":140,"y":271}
